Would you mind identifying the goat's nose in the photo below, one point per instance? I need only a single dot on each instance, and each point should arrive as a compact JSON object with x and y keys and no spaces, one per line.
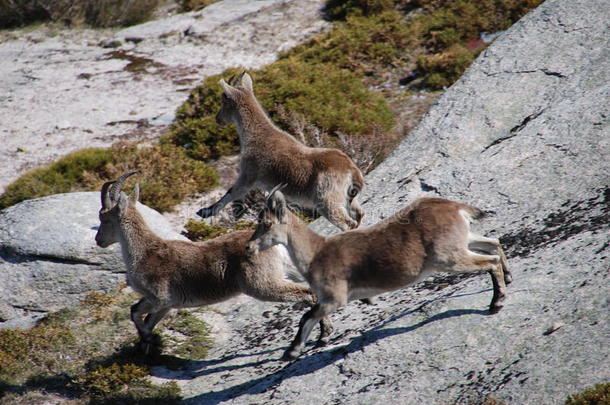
{"x":251,"y":248}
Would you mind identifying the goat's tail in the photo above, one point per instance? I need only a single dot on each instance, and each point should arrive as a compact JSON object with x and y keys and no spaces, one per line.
{"x":472,"y":212}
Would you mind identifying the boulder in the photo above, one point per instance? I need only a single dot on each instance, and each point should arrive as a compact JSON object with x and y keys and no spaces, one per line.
{"x":48,"y":255}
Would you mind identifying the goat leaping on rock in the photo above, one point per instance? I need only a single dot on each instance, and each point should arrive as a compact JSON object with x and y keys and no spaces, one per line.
{"x":319,"y":178}
{"x":429,"y":235}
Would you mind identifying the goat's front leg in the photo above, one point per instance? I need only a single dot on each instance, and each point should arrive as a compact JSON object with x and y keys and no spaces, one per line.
{"x":145,"y":327}
{"x":241,"y":187}
{"x":316,"y":314}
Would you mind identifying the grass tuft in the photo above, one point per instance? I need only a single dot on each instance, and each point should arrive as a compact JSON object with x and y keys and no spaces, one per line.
{"x":599,"y":394}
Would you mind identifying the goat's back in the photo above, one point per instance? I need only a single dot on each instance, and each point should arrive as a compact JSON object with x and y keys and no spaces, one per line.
{"x":393,"y":252}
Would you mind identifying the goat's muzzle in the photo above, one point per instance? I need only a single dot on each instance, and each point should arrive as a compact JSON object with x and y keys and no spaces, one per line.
{"x":252,"y":248}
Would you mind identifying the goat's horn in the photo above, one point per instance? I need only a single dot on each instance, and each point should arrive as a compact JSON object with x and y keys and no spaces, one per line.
{"x":116,"y":187}
{"x":279,"y":187}
{"x":106,"y":203}
{"x":231,"y":80}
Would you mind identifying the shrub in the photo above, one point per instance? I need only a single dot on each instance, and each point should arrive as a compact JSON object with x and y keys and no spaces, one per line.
{"x":446,"y":67}
{"x":114,"y":13}
{"x":599,"y":394}
{"x":340,"y":9}
{"x":331,"y":98}
{"x":199,"y":230}
{"x":166,"y":177}
{"x":445,"y":27}
{"x":97,"y":13}
{"x":361,"y":43}
{"x":193,"y":5}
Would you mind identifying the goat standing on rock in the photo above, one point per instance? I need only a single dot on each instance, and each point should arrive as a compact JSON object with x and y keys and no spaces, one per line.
{"x":429,"y":235}
{"x":180,"y":274}
{"x":319,"y":178}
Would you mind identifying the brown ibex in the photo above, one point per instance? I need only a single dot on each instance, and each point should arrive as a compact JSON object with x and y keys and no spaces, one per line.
{"x":429,"y":235}
{"x":180,"y":274}
{"x":318,"y":178}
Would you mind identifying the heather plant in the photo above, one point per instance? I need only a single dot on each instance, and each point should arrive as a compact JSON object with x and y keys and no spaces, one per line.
{"x":167,"y":174}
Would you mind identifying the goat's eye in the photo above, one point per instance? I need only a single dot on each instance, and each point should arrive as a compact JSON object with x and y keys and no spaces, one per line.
{"x":352,"y":192}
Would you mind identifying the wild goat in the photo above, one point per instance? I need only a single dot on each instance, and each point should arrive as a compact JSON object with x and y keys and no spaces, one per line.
{"x":430,"y":234}
{"x":180,"y":274}
{"x":323,"y":179}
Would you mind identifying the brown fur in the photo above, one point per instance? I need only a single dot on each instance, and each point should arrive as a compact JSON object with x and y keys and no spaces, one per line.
{"x":317,"y":178}
{"x":179,"y":274}
{"x":431,"y":234}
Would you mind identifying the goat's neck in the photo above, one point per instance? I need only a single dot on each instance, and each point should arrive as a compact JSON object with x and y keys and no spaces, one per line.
{"x":253,"y":123}
{"x":303,"y":243}
{"x":135,"y":238}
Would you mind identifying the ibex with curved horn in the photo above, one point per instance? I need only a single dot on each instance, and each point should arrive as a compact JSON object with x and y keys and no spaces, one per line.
{"x":180,"y":274}
{"x":318,"y":178}
{"x":429,"y":235}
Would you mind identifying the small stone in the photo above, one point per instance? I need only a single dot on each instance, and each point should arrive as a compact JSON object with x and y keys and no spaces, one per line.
{"x":553,"y":328}
{"x":112,"y":43}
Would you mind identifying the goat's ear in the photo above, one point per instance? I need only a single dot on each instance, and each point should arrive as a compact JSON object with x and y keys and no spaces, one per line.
{"x":123,"y":202}
{"x":277,"y":205}
{"x":135,"y":195}
{"x":246,"y":82}
{"x":229,"y":90}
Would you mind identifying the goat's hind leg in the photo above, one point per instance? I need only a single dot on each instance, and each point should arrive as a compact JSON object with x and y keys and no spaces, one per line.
{"x":468,"y":261}
{"x":490,"y":246}
{"x":284,"y":291}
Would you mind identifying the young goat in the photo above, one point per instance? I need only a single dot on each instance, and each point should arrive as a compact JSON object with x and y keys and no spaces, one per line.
{"x":430,"y":234}
{"x":323,"y":179}
{"x":180,"y":274}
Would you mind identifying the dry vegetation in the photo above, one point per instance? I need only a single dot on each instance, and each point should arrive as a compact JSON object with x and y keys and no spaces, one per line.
{"x":86,"y":354}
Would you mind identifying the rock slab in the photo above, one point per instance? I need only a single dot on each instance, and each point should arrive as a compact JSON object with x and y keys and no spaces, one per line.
{"x":524,"y":135}
{"x":49,"y":258}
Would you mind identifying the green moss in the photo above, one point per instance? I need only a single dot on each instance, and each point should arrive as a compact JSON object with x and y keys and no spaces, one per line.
{"x":72,"y":355}
{"x":199,"y":230}
{"x":166,"y":177}
{"x":103,"y":380}
{"x":23,"y":350}
{"x":599,"y":394}
{"x":304,"y":89}
{"x":195,"y":334}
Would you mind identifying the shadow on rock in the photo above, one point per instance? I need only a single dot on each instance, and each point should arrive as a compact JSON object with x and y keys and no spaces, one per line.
{"x":310,"y":363}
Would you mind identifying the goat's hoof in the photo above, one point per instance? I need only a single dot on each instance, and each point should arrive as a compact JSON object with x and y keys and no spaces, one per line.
{"x":290,"y":355}
{"x":508,"y":278}
{"x":206,"y":212}
{"x":147,"y":344}
{"x":368,"y":301}
{"x":494,"y":308}
{"x":323,"y":341}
